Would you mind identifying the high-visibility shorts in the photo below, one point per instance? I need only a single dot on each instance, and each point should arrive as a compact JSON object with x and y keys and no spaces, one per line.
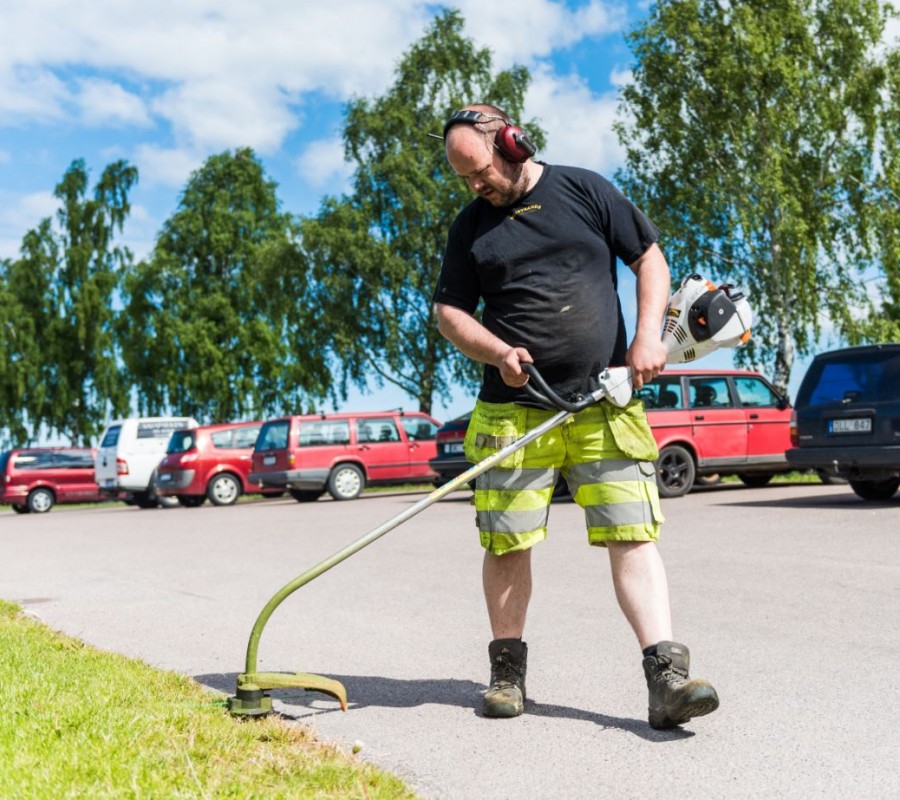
{"x":605,"y":453}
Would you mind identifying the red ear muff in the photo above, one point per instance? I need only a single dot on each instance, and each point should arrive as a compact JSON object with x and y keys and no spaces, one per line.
{"x":512,"y":142}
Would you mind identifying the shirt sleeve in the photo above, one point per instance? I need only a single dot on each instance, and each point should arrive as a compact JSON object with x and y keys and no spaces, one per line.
{"x":630,"y":231}
{"x":458,"y":283}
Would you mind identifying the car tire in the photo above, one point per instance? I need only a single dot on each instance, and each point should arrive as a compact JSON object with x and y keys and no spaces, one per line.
{"x":754,"y":479}
{"x":40,"y":501}
{"x":876,"y":490}
{"x":305,"y":495}
{"x":145,"y":500}
{"x":191,"y":500}
{"x":167,"y":502}
{"x":21,"y":509}
{"x":708,"y":480}
{"x":346,"y":482}
{"x":224,"y":489}
{"x":675,"y":471}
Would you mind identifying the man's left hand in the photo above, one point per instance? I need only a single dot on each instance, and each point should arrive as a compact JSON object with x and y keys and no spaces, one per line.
{"x":647,"y":358}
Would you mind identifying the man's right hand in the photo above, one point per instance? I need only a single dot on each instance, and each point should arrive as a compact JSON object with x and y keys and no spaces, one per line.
{"x":510,"y":366}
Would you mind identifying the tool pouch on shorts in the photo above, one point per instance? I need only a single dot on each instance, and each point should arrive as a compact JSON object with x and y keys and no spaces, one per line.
{"x":492,"y":427}
{"x":631,"y":430}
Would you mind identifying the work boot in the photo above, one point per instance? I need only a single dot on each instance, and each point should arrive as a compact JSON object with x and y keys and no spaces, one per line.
{"x":674,"y":697}
{"x":505,"y":697}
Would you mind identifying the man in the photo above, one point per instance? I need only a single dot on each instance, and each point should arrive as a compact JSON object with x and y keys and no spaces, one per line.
{"x":539,"y":247}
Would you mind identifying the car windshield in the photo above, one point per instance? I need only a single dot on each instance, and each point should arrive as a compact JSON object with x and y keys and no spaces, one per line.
{"x":111,"y":437}
{"x":181,"y":442}
{"x":857,"y":378}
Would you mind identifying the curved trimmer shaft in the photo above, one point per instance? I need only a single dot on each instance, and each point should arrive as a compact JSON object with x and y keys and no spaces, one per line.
{"x":250,"y":698}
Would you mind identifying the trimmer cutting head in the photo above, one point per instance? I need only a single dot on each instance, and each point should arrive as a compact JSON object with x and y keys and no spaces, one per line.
{"x":702,"y":318}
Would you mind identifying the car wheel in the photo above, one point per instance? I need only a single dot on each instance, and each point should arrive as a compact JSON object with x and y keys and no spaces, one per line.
{"x":145,"y":500}
{"x":754,"y":479}
{"x":224,"y":489}
{"x":21,"y":509}
{"x":675,"y":471}
{"x":346,"y":482}
{"x":191,"y":500}
{"x":708,"y":480}
{"x":167,"y":502}
{"x":875,"y":490}
{"x":40,"y":501}
{"x":305,"y":495}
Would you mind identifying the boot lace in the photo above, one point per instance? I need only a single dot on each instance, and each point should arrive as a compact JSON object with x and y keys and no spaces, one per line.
{"x":506,"y":672}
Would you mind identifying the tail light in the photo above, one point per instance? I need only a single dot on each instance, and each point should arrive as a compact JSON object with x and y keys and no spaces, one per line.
{"x":291,"y":460}
{"x":187,"y":458}
{"x":795,"y":435}
{"x":121,"y":466}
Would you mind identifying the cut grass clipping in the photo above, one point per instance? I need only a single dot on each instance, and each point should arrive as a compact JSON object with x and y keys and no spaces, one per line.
{"x":77,"y":722}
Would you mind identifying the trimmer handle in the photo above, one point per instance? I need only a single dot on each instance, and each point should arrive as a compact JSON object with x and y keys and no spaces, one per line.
{"x":547,"y":397}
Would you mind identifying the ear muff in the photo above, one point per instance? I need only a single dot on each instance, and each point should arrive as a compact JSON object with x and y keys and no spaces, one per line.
{"x":512,"y":142}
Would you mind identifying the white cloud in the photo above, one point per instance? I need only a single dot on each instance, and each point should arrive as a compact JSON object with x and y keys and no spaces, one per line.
{"x":578,"y":122}
{"x":5,"y":157}
{"x":21,"y":213}
{"x":30,"y":93}
{"x":168,"y":167}
{"x":103,"y":102}
{"x":322,"y":165}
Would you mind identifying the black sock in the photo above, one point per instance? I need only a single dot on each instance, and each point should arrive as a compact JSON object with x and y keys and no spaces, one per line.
{"x":649,"y":651}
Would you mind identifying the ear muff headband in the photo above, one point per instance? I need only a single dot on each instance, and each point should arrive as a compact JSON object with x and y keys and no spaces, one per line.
{"x":512,"y":142}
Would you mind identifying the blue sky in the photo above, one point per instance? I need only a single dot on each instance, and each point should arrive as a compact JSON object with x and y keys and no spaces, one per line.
{"x":166,"y":84}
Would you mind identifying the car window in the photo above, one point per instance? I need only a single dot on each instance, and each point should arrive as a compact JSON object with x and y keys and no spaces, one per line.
{"x":159,"y":429}
{"x":273,"y":436}
{"x":73,"y":459}
{"x":755,"y":393}
{"x":663,"y":392}
{"x":245,"y":438}
{"x":4,"y":459}
{"x":709,"y":393}
{"x":181,"y":442}
{"x":320,"y":432}
{"x":863,"y":378}
{"x":222,"y":440}
{"x":111,"y":437}
{"x":377,"y":429}
{"x":419,"y":429}
{"x":33,"y":459}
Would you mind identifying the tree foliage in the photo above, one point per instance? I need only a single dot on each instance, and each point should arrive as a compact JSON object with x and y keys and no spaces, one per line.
{"x":62,"y":368}
{"x":376,"y":253}
{"x":217,"y":323}
{"x":750,"y":131}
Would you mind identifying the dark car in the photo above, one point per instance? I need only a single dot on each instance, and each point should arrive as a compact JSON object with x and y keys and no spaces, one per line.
{"x":34,"y":479}
{"x":847,"y":418}
{"x":450,"y":460}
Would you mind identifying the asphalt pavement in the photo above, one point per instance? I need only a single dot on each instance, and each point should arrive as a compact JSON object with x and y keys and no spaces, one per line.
{"x":787,"y":596}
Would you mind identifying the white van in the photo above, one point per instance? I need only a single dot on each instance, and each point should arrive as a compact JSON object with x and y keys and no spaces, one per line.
{"x":129,"y":453}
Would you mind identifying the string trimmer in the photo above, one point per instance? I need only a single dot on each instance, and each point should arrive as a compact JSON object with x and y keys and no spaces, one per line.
{"x":700,"y":318}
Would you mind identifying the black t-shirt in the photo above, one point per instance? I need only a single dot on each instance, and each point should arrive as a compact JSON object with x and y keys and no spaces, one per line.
{"x":546,"y":270}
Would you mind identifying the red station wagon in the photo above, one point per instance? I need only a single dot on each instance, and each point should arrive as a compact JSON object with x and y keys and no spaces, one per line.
{"x":209,"y":462}
{"x":33,"y":480}
{"x":343,"y":453}
{"x":716,"y":422}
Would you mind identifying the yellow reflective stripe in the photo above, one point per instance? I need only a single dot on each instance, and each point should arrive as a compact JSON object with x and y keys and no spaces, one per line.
{"x":623,"y":533}
{"x":599,"y":494}
{"x":512,"y":500}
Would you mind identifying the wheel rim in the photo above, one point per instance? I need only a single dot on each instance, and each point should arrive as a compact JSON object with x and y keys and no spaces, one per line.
{"x":41,"y":502}
{"x":348,"y":483}
{"x":225,"y":490}
{"x":673,"y":471}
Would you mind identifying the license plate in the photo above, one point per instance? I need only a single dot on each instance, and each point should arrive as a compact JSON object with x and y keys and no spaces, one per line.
{"x":851,"y":425}
{"x":268,"y":460}
{"x":454,"y":448}
{"x":165,"y":477}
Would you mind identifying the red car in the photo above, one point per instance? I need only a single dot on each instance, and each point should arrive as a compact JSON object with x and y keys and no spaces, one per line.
{"x":209,"y":462}
{"x":343,"y":453}
{"x":35,"y":479}
{"x":716,"y":422}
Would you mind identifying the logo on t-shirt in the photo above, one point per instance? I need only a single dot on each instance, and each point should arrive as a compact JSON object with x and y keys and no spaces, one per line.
{"x":518,"y":212}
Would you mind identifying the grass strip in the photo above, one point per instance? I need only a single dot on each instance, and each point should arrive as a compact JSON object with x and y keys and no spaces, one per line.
{"x":77,"y":722}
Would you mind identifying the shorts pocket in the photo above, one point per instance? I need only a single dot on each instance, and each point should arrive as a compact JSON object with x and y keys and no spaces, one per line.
{"x":492,"y":427}
{"x":631,"y":430}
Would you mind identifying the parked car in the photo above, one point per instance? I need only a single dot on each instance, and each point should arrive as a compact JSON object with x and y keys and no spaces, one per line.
{"x":707,"y":423}
{"x":716,"y":422}
{"x":210,"y":462}
{"x":344,"y":453}
{"x":33,"y":480}
{"x":847,"y":418}
{"x":129,"y":452}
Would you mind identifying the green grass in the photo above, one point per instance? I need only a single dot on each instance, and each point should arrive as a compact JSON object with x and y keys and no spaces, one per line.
{"x":76,"y":722}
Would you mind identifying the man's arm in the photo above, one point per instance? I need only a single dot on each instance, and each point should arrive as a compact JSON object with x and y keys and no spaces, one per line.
{"x":647,"y":356}
{"x":478,"y":343}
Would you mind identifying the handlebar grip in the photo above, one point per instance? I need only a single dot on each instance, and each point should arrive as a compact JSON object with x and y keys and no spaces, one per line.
{"x":547,"y":397}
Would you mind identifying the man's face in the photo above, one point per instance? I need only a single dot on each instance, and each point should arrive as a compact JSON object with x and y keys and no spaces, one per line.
{"x":488,"y":174}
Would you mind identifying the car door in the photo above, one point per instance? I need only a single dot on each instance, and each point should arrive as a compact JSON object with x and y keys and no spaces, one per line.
{"x":421,"y":440}
{"x":381,"y":449}
{"x":718,"y":426}
{"x":73,"y":474}
{"x":768,"y":420}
